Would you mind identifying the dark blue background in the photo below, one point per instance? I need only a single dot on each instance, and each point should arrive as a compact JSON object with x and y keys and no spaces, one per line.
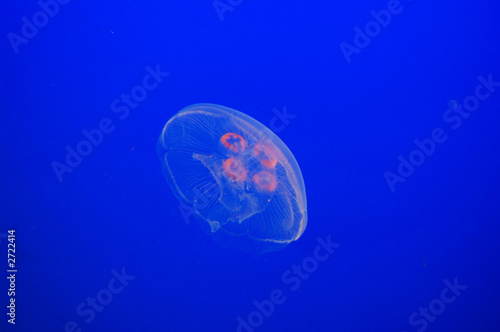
{"x":354,"y":119}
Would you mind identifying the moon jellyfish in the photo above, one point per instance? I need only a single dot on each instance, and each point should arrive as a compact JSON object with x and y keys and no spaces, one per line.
{"x":237,"y":177}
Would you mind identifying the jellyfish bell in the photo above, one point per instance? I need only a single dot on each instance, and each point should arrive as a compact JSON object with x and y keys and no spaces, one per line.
{"x":258,"y":200}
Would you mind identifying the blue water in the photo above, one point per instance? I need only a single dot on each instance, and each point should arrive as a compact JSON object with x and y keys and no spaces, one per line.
{"x":395,"y":128}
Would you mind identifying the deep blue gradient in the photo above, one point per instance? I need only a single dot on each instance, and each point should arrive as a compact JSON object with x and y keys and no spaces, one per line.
{"x":355,"y":115}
